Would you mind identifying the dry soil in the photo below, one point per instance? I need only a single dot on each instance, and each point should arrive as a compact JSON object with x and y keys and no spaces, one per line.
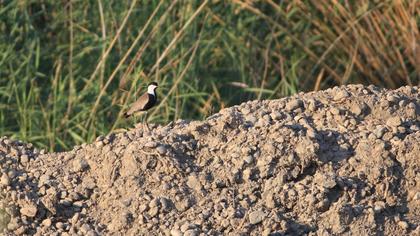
{"x":335,"y":162}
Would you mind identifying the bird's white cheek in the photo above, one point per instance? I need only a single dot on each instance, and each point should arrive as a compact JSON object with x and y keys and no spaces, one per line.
{"x":151,"y":90}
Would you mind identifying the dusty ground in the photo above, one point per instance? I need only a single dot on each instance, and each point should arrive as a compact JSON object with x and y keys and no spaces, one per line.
{"x":345,"y":160}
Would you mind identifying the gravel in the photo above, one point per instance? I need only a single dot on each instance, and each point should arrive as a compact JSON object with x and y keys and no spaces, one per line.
{"x":343,"y":160}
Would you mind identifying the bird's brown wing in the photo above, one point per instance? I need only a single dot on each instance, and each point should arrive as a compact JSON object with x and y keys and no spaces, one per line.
{"x":139,"y":104}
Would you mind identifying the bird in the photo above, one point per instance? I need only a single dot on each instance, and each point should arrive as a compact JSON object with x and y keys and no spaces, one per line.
{"x":143,"y":103}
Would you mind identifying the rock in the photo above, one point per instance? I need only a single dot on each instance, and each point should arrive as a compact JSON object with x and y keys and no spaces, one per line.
{"x":416,"y":196}
{"x":256,"y":217}
{"x":191,"y":232}
{"x":13,"y":224}
{"x":411,"y":105}
{"x":193,"y":182}
{"x":85,"y":228}
{"x":29,"y":209}
{"x":43,"y":179}
{"x":249,"y":159}
{"x":294,"y":104}
{"x":24,"y":159}
{"x":176,"y":232}
{"x":166,"y":203}
{"x":154,"y":211}
{"x":80,"y":165}
{"x":356,"y":109}
{"x":403,"y":224}
{"x":75,"y":218}
{"x":342,"y":94}
{"x":59,"y":225}
{"x":335,"y":111}
{"x":143,"y":208}
{"x":379,"y":206}
{"x":392,"y":98}
{"x":394,"y":121}
{"x":187,"y":226}
{"x":5,"y":180}
{"x":402,"y":103}
{"x":99,"y":144}
{"x":20,"y":231}
{"x":47,"y":222}
{"x":329,"y":182}
{"x":275,"y":115}
{"x":91,"y":233}
{"x":312,"y":105}
{"x":161,"y":149}
{"x":380,"y":131}
{"x":151,"y":144}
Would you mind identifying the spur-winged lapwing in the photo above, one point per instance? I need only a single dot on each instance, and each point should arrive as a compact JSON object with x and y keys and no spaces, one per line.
{"x":144,"y":103}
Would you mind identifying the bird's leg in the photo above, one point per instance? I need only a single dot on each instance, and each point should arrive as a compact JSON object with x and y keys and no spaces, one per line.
{"x":145,"y":121}
{"x":142,"y":121}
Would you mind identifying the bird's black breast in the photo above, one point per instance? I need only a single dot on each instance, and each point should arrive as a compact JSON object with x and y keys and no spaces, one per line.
{"x":151,"y":102}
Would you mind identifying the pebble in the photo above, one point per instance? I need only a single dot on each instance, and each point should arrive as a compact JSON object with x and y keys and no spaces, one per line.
{"x":392,"y":98}
{"x":249,"y":159}
{"x":151,"y":144}
{"x":335,"y":111}
{"x":99,"y":144}
{"x":294,"y":104}
{"x":75,"y":218}
{"x":166,"y":204}
{"x":80,"y":165}
{"x":342,"y":94}
{"x":379,"y":206}
{"x":176,"y":232}
{"x":380,"y":131}
{"x":402,"y":103}
{"x":356,"y":109}
{"x":403,"y":224}
{"x":13,"y":224}
{"x":43,"y":179}
{"x":59,"y":225}
{"x":191,"y":232}
{"x":20,"y":231}
{"x":29,"y":209}
{"x":5,"y":180}
{"x":186,"y":226}
{"x":256,"y":217}
{"x":329,"y":182}
{"x":153,"y":211}
{"x":85,"y":228}
{"x":161,"y":149}
{"x":47,"y":222}
{"x":193,"y":182}
{"x":394,"y":121}
{"x":275,"y":115}
{"x":24,"y":159}
{"x":416,"y":196}
{"x":411,"y":105}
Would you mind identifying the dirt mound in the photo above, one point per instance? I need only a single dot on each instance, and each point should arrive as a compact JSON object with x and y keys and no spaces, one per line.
{"x":325,"y":163}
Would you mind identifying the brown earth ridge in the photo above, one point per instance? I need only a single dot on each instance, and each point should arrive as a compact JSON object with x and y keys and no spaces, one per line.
{"x":344,"y":161}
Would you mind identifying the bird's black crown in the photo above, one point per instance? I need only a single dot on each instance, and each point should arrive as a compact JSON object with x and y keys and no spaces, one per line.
{"x":153,"y":83}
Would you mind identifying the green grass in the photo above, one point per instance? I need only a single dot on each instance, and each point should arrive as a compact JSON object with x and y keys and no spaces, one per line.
{"x":68,"y":69}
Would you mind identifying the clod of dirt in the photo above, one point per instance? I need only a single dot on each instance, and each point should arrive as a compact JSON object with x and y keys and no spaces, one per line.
{"x":329,"y":162}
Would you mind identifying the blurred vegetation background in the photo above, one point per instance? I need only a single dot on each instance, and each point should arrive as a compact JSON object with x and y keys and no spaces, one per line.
{"x":69,"y":68}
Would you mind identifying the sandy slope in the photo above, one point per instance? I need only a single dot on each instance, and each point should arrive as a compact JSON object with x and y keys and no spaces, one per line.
{"x":326,"y":163}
